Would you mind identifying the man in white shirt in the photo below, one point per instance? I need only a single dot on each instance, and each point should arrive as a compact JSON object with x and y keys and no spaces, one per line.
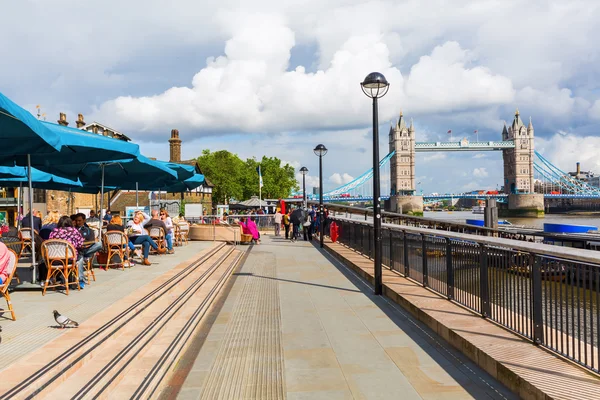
{"x":278,"y":218}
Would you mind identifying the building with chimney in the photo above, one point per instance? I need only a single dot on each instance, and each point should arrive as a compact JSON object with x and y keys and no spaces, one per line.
{"x":70,"y":203}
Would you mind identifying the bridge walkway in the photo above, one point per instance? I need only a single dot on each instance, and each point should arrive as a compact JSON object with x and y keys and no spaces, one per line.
{"x":299,"y":325}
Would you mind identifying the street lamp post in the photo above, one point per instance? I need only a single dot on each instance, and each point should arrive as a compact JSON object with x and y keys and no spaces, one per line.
{"x":320,"y":151}
{"x":304,"y":171}
{"x":376,"y":86}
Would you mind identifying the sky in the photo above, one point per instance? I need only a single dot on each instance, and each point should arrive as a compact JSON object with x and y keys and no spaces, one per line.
{"x":277,"y":78}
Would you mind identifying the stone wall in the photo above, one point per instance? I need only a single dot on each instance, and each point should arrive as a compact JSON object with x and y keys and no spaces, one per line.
{"x":410,"y":205}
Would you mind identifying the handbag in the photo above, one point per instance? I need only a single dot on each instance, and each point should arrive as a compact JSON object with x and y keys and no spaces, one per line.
{"x":307,"y":222}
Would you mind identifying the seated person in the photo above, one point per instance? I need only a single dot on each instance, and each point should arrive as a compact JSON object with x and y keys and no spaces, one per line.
{"x":157,"y":222}
{"x":136,"y":235}
{"x":170,"y":232}
{"x":4,"y":263}
{"x":88,"y":234}
{"x":49,"y":224}
{"x":253,"y":230}
{"x":93,"y":217}
{"x":65,"y":231}
{"x":116,"y":224}
{"x":37,"y":221}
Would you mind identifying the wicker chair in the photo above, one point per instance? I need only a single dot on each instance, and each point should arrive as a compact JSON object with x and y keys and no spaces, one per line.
{"x":12,"y":268}
{"x":184,"y":230}
{"x":25,"y":235}
{"x":158,"y":235}
{"x":60,"y":258}
{"x":115,"y":242}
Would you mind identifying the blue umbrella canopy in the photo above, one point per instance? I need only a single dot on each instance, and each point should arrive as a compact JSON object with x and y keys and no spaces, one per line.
{"x":189,"y":184}
{"x":50,"y":144}
{"x":123,"y":174}
{"x":13,"y":176}
{"x":183,"y":171}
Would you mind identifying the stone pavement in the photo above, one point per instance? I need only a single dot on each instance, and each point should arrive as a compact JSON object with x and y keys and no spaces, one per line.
{"x":299,"y":325}
{"x":33,"y":327}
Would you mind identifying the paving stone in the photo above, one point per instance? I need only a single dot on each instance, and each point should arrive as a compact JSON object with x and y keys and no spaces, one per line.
{"x":337,"y":340}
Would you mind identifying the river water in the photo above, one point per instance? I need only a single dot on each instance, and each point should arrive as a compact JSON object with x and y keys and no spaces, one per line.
{"x":461,"y":216}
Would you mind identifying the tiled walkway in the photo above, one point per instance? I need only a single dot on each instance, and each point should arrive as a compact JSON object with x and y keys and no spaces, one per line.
{"x":34,"y":325}
{"x":297,"y":325}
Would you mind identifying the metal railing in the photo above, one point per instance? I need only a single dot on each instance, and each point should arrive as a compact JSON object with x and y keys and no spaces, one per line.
{"x":549,"y":295}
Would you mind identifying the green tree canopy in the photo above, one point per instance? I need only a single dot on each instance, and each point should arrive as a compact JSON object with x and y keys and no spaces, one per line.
{"x":234,"y":178}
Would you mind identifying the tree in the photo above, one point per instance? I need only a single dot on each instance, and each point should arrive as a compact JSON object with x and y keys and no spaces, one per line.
{"x":223,"y":169}
{"x":238,"y":179}
{"x":278,"y":180}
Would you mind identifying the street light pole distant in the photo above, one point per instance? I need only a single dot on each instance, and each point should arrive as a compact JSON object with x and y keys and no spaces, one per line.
{"x":376,"y":86}
{"x":320,"y":151}
{"x":304,"y":171}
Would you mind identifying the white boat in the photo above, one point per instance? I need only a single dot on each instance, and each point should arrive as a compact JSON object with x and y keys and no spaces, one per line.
{"x":478,"y":209}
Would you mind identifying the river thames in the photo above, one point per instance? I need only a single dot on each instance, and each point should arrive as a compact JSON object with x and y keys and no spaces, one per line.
{"x":461,"y":216}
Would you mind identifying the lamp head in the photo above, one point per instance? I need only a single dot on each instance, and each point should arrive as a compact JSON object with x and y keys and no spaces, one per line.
{"x":304,"y":170}
{"x":375,"y":85}
{"x":320,"y":150}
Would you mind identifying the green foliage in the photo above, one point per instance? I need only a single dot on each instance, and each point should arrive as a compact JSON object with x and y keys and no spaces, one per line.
{"x":234,"y":178}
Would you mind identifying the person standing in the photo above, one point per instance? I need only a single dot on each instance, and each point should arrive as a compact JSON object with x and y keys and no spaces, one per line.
{"x":286,"y":224}
{"x":278,"y":217}
{"x":307,"y":227}
{"x":297,"y":217}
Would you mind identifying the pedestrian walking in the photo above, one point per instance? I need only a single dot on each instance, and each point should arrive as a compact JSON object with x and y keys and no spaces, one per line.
{"x":286,"y":224}
{"x":297,"y":218}
{"x":277,"y":219}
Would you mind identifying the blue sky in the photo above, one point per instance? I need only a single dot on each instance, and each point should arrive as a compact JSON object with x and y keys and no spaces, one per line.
{"x":277,"y":78}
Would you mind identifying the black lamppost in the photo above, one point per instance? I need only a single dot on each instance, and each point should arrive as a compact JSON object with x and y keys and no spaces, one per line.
{"x":376,"y":86}
{"x":320,"y":151}
{"x":304,"y":171}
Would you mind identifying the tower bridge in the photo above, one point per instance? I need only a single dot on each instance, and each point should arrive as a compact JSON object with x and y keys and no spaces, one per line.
{"x":529,"y":177}
{"x":517,"y":146}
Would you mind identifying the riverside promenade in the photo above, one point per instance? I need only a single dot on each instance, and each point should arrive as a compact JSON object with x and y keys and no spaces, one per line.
{"x":299,"y":325}
{"x":279,"y":320}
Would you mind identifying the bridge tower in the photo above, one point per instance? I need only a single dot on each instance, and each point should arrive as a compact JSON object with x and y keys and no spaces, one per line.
{"x":518,"y":171}
{"x":402,"y":169}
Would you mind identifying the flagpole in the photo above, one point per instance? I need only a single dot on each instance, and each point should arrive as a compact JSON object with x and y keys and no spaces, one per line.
{"x":259,"y":188}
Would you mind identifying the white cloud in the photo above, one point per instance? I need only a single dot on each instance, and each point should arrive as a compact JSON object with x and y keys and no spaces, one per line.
{"x":595,"y":110}
{"x":480,"y":172}
{"x":564,"y":151}
{"x":434,"y":157}
{"x":340,"y":179}
{"x":479,"y":155}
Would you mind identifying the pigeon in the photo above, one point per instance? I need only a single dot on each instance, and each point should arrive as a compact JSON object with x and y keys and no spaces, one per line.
{"x":63,"y":321}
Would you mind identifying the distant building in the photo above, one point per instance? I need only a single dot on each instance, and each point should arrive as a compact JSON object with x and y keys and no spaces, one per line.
{"x":584,"y":176}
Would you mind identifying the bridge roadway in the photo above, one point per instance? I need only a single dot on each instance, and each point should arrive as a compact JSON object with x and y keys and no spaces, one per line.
{"x":298,"y":325}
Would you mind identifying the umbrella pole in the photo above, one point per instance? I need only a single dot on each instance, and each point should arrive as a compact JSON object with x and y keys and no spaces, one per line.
{"x":137,"y":198}
{"x":33,"y":264}
{"x":20,"y":204}
{"x":101,"y":198}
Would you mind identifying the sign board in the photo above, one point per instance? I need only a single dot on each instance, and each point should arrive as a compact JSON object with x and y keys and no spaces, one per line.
{"x":193,"y":210}
{"x":221,"y":209}
{"x":129,"y":211}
